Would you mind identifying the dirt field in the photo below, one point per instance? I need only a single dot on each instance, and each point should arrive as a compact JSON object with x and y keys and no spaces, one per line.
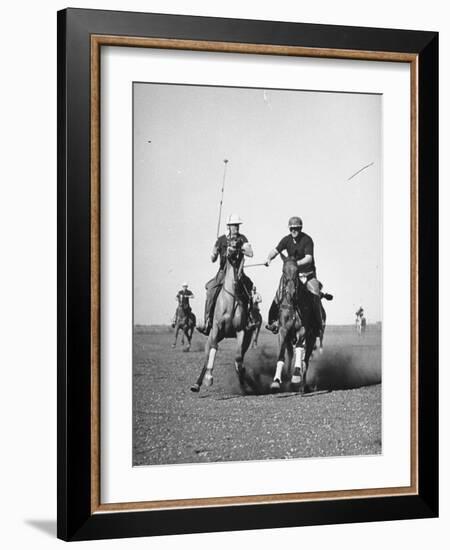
{"x":173,"y":425}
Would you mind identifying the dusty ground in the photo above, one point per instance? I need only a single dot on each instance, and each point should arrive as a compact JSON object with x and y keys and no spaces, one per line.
{"x":174,"y":425}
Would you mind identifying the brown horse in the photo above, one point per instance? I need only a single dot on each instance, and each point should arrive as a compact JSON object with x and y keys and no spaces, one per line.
{"x":298,"y":329}
{"x":185,"y":320}
{"x":229,"y":321}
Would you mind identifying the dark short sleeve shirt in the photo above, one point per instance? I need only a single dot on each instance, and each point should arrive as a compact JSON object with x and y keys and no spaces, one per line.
{"x":183,"y":297}
{"x":222,"y":245}
{"x":298,"y":248}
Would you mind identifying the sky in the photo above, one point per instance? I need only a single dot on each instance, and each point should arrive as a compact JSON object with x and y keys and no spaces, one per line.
{"x":290,"y":153}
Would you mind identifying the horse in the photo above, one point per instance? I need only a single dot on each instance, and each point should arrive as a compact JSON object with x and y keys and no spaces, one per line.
{"x":361,"y":324}
{"x":229,"y":321}
{"x":185,"y":320}
{"x":298,"y":329}
{"x":257,"y":317}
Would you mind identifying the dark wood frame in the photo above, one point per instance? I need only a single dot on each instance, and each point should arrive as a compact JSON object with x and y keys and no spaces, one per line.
{"x":81,"y":33}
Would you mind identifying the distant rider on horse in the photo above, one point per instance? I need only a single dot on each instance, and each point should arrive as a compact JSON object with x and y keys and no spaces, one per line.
{"x":232,"y":239}
{"x":183,"y":296}
{"x":300,"y":247}
{"x":256,"y":298}
{"x":360,"y":313}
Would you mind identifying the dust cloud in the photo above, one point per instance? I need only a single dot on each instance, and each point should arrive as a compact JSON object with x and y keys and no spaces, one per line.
{"x":338,"y":368}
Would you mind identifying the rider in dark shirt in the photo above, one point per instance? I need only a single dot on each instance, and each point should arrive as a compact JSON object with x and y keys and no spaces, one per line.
{"x":299,"y":246}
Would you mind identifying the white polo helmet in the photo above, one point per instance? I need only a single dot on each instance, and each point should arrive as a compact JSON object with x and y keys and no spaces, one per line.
{"x":234,"y":219}
{"x":184,"y":284}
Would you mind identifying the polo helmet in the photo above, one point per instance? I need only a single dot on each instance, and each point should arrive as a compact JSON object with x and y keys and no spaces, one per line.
{"x":295,"y":221}
{"x":233,"y":219}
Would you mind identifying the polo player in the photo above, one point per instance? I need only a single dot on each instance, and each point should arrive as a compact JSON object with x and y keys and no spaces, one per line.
{"x":300,"y":247}
{"x":359,"y":314}
{"x":233,"y":238}
{"x":256,"y":298}
{"x":183,"y":296}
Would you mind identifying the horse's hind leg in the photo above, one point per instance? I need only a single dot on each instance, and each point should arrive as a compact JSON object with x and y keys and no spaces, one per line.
{"x":309,"y":345}
{"x":244,"y":339}
{"x":176,"y":336}
{"x":255,"y":335}
{"x":188,"y":345}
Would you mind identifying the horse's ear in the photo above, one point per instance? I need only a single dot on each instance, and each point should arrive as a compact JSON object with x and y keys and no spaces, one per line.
{"x":283,"y":257}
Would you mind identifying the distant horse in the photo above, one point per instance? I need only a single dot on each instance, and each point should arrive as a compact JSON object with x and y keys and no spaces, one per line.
{"x":257,"y":317}
{"x":185,"y":320}
{"x":361,"y":325}
{"x":229,"y":321}
{"x":297,"y":330}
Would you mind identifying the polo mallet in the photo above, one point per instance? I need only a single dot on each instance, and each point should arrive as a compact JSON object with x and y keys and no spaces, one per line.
{"x":225,"y":162}
{"x":254,"y":265}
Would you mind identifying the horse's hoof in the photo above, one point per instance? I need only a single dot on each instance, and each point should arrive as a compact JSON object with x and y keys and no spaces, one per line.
{"x":195,"y":388}
{"x":173,"y":345}
{"x":208,"y":380}
{"x":275,"y":386}
{"x":296,"y":378}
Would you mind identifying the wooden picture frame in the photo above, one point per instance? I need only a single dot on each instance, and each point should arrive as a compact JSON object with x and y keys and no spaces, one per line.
{"x":81,"y":35}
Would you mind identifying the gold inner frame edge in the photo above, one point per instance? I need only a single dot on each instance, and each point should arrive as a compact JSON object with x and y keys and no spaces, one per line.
{"x":263,"y":49}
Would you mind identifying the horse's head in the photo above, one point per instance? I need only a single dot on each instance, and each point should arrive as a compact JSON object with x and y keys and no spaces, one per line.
{"x":290,"y":269}
{"x":234,"y":252}
{"x":290,"y":277}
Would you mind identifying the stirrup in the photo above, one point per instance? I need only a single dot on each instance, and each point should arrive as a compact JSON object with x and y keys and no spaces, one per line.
{"x":273,"y":327}
{"x":203,"y":329}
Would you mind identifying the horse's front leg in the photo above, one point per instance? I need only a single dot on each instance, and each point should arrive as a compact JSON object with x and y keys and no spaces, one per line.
{"x":210,"y":355}
{"x":276,"y":382}
{"x":244,"y":339}
{"x":299,"y":365}
{"x":188,"y":338}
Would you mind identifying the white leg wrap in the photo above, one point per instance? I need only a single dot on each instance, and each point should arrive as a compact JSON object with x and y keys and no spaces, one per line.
{"x":299,"y":357}
{"x":280,"y":365}
{"x":212,"y":355}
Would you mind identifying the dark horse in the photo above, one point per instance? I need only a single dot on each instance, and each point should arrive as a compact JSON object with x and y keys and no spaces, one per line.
{"x":298,"y":329}
{"x":229,"y":321}
{"x":185,"y":320}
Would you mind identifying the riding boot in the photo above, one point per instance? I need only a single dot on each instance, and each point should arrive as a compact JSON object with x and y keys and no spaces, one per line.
{"x":205,"y":328}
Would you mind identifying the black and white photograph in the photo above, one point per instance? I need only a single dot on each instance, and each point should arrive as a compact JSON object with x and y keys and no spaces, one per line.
{"x":257,"y":274}
{"x":225,"y":253}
